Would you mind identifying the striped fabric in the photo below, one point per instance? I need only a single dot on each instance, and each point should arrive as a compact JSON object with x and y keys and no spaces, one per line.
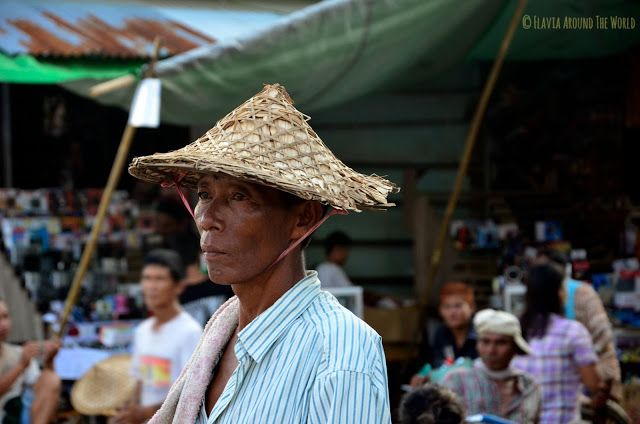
{"x":305,"y":360}
{"x":481,"y":394}
{"x":554,"y":363}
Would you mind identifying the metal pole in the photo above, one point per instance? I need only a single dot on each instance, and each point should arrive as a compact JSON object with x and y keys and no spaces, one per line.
{"x":472,"y":135}
{"x":6,"y":137}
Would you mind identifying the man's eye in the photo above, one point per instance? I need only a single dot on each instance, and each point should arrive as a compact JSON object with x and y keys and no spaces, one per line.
{"x":238,"y":196}
{"x":203,"y":195}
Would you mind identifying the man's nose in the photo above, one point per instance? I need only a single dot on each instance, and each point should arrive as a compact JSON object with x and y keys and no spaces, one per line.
{"x":210,"y":217}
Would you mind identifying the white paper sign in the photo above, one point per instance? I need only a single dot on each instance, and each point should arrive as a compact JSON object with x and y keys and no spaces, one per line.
{"x":145,"y":107}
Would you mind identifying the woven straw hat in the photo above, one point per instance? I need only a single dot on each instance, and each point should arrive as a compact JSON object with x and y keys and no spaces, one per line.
{"x":266,"y":140}
{"x":106,"y":387}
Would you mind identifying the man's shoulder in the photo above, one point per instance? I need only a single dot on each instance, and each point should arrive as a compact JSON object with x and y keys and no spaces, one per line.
{"x":11,"y":352}
{"x":571,"y":327}
{"x":343,"y":335}
{"x":187,"y":323}
{"x":326,"y":265}
{"x":330,"y":317}
{"x":458,"y":377}
{"x":462,"y":372}
{"x":527,"y":379}
{"x":328,"y":269}
{"x":145,"y":325}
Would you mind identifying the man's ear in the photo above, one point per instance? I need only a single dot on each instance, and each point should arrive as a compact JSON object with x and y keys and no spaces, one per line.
{"x":180,"y":287}
{"x":308,"y":214}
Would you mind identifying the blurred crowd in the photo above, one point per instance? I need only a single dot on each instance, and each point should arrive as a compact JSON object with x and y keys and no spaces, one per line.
{"x":540,"y":367}
{"x":543,"y":366}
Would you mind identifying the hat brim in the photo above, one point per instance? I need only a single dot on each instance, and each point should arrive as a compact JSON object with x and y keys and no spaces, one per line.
{"x":521,"y":345}
{"x":188,"y":172}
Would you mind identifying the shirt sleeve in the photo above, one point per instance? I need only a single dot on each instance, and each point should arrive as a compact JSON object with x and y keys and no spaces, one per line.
{"x":591,"y":313}
{"x":582,"y":348}
{"x":32,"y":373}
{"x":331,"y":275}
{"x":349,"y":397}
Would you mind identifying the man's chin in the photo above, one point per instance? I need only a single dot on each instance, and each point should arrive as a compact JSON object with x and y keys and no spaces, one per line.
{"x":494,"y":366}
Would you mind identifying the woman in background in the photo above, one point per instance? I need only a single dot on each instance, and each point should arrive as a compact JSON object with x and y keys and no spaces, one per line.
{"x":455,"y":338}
{"x":562,"y":355}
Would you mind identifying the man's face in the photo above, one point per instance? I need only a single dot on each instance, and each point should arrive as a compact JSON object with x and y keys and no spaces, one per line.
{"x":158,"y":287}
{"x":340,"y":254}
{"x":496,"y":350}
{"x":5,"y":322}
{"x":243,"y":227}
{"x":455,"y":312}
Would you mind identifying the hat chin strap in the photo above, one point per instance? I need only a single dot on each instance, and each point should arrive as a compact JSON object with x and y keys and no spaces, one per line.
{"x":176,"y":183}
{"x":288,"y":250}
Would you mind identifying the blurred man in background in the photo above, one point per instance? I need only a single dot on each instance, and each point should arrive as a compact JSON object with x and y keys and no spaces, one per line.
{"x":336,"y":249}
{"x":163,"y":343}
{"x":492,"y":386}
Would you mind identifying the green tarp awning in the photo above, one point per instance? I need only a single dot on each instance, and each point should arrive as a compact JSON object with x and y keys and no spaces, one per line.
{"x":25,"y":69}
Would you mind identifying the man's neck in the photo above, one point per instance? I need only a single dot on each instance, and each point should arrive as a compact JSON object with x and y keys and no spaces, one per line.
{"x":502,"y":374}
{"x":166,"y":314}
{"x":258,"y":295}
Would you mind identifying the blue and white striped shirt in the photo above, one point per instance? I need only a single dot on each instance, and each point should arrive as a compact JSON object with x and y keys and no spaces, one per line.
{"x":306,"y":359}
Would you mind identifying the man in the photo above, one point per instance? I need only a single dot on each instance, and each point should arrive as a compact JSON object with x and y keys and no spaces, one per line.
{"x":281,"y":350}
{"x":20,"y":375}
{"x":583,"y":304}
{"x":163,"y":343}
{"x":336,"y":249}
{"x":492,"y":386}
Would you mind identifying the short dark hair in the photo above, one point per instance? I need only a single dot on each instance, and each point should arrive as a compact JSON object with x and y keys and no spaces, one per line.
{"x":336,"y":238}
{"x":167,"y":258}
{"x":431,"y":404}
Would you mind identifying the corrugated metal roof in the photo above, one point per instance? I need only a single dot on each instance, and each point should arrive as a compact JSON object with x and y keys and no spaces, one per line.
{"x":72,"y":30}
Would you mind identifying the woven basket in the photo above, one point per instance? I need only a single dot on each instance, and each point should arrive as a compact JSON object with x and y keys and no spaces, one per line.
{"x":266,"y":140}
{"x":106,"y":387}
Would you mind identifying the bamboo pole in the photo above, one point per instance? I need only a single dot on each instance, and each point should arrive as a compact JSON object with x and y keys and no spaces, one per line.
{"x":436,"y":256}
{"x":112,"y":182}
{"x":111,"y":85}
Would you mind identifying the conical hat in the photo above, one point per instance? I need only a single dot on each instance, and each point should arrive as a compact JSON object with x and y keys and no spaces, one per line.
{"x":106,"y":387}
{"x":266,"y":140}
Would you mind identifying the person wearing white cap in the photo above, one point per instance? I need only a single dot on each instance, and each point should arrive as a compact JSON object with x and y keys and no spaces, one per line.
{"x":492,"y":386}
{"x":281,"y":350}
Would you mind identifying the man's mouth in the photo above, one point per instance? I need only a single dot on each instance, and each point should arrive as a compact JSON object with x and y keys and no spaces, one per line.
{"x":211,"y":252}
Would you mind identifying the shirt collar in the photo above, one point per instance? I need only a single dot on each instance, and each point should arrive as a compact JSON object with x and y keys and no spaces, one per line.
{"x":261,"y":333}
